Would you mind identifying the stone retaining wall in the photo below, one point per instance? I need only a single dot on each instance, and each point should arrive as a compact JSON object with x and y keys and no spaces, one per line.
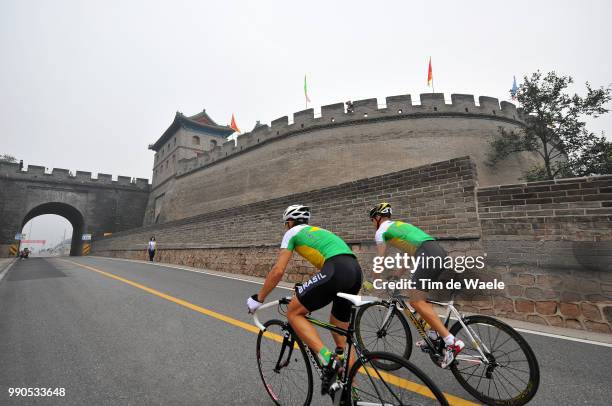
{"x":551,"y":243}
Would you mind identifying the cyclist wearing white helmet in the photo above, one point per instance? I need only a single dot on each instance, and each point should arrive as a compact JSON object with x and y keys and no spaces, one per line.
{"x":339,"y":271}
{"x":416,"y":242}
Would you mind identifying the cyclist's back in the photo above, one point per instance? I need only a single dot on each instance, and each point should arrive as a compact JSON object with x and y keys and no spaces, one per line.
{"x":339,"y":269}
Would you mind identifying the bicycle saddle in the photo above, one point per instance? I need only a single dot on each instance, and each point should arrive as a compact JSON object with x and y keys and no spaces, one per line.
{"x":357,"y":300}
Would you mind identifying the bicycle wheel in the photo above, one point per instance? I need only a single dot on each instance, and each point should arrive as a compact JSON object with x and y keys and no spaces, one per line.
{"x":406,"y":385}
{"x":283,"y":365}
{"x":512,"y":376}
{"x":371,"y":335}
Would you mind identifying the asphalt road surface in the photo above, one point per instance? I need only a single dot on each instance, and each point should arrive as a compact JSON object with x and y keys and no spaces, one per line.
{"x":114,"y":332}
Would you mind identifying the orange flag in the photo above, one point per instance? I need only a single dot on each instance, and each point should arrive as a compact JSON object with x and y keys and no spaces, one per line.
{"x":430,"y":74}
{"x":233,"y":125}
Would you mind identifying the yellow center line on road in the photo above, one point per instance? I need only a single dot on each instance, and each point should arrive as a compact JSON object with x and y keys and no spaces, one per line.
{"x":390,"y":378}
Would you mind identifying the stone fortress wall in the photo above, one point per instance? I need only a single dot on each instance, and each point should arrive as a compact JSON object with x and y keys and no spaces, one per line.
{"x":550,"y":242}
{"x":337,"y":147}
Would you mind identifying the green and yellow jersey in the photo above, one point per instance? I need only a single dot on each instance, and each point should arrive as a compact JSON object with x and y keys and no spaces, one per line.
{"x":403,"y":236}
{"x":315,"y":244}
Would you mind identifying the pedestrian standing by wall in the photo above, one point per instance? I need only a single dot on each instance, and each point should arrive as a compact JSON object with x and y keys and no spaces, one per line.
{"x":152,"y":247}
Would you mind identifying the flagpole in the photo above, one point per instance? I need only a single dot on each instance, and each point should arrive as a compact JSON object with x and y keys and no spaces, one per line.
{"x":305,"y":92}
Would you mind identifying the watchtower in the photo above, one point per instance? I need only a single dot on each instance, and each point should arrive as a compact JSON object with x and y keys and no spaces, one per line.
{"x":187,"y":137}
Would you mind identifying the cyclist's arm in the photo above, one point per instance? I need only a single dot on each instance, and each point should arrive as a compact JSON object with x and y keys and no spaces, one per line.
{"x":381,"y":250}
{"x":276,"y":274}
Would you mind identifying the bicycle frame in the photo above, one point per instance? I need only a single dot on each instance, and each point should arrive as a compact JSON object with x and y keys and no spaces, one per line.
{"x":452,"y":311}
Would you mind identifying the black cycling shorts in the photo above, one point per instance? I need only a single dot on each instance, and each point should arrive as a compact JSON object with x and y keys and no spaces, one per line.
{"x":431,"y":265}
{"x":339,"y":274}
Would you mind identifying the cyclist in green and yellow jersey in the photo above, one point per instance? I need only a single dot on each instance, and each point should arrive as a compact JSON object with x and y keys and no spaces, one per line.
{"x":339,"y":271}
{"x":417,"y":243}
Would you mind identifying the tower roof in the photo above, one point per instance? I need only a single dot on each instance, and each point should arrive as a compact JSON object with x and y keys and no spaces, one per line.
{"x":200,"y":122}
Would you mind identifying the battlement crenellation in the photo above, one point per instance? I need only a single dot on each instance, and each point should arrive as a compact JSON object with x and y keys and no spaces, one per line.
{"x":395,"y":107}
{"x":10,"y":169}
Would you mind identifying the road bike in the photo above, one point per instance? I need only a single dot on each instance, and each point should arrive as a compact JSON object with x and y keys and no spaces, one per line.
{"x":285,"y":365}
{"x":497,"y":366}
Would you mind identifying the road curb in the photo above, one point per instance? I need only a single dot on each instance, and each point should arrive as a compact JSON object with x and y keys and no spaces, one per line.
{"x":5,"y":268}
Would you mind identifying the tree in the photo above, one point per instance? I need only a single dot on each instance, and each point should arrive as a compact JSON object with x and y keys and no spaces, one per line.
{"x":555,"y":129}
{"x":7,"y":158}
{"x":596,"y":159}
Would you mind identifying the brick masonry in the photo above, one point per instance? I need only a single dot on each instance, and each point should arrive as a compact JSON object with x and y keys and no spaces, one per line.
{"x":551,"y":242}
{"x":548,"y":241}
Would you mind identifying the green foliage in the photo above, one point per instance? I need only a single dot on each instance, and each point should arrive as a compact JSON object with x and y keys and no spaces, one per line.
{"x":555,"y":129}
{"x":595,"y":159}
{"x":7,"y":158}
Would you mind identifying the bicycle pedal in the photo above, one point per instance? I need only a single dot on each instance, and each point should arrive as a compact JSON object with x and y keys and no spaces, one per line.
{"x":327,"y":381}
{"x":339,"y":397}
{"x":336,"y":387}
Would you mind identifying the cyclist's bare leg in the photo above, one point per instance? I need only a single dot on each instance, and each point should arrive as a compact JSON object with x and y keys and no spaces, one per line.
{"x":341,"y":340}
{"x":296,"y":314}
{"x":426,"y":310}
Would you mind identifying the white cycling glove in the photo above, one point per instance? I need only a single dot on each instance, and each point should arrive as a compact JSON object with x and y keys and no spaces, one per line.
{"x":253,"y":303}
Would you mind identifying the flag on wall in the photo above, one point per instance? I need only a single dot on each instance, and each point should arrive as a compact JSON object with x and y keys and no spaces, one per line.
{"x":514,"y":89}
{"x":430,"y":74}
{"x":233,"y":124}
{"x":306,"y":91}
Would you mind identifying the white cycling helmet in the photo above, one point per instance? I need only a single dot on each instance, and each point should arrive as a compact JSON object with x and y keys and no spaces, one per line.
{"x":297,"y":212}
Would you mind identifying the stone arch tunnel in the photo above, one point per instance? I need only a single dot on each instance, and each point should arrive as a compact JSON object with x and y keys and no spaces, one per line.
{"x":92,"y":205}
{"x":68,"y":212}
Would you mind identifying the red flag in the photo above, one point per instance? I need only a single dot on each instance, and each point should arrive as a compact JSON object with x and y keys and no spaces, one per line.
{"x":233,"y":125}
{"x":430,"y":74}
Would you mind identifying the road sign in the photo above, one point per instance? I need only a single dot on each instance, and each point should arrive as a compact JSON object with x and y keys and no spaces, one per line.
{"x":86,"y":237}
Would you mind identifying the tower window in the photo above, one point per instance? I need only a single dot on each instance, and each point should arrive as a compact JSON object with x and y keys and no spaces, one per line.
{"x":195,"y":140}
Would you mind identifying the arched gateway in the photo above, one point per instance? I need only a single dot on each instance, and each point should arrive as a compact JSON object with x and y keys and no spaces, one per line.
{"x":92,"y":206}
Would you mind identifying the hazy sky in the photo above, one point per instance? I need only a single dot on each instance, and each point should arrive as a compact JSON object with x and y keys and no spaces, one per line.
{"x":87,"y":85}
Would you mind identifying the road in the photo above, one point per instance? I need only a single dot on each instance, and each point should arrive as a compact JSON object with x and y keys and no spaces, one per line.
{"x":115,"y":332}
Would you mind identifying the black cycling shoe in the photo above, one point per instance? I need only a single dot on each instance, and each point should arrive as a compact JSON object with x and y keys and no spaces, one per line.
{"x":329,"y":374}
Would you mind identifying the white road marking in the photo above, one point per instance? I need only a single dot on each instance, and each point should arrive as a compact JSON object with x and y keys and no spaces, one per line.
{"x":6,"y":269}
{"x":522,"y":330}
{"x":541,"y":333}
{"x":579,"y":340}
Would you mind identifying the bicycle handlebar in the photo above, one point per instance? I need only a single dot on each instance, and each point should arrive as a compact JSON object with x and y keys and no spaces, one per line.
{"x":265,"y":306}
